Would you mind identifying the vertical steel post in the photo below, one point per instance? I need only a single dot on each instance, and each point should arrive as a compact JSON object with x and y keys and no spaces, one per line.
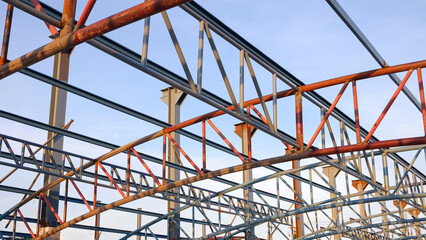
{"x":203,"y":229}
{"x":401,"y":205}
{"x":144,"y":57}
{"x":14,"y":226}
{"x":243,"y":130}
{"x":416,"y":227}
{"x":6,"y":34}
{"x":139,"y":224}
{"x":57,"y":119}
{"x":331,"y":173}
{"x":174,"y":99}
{"x":97,"y":224}
{"x":296,"y":163}
{"x":360,"y":185}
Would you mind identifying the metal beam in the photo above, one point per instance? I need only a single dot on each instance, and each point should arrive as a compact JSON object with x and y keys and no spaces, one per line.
{"x":370,"y":48}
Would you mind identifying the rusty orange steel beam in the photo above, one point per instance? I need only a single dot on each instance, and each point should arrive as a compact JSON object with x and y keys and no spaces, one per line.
{"x":238,"y":168}
{"x":290,"y":92}
{"x":130,"y":15}
{"x":6,"y":34}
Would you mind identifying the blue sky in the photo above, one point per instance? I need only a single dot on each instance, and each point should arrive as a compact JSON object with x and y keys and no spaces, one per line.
{"x":305,"y":37}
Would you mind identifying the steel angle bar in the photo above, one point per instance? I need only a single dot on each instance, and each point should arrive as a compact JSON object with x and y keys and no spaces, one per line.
{"x":145,"y":41}
{"x":406,"y":172}
{"x":200,"y":57}
{"x":258,"y":91}
{"x":221,"y":68}
{"x":179,"y":51}
{"x":370,"y":48}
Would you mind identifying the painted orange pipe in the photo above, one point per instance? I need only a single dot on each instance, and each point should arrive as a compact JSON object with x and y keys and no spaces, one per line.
{"x":422,"y":97}
{"x":51,"y":28}
{"x":86,"y":12}
{"x":6,"y":34}
{"x":398,"y":90}
{"x":333,"y":105}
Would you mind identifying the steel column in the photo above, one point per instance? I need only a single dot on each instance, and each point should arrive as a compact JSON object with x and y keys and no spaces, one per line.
{"x":243,"y":130}
{"x":173,"y":98}
{"x":296,"y":163}
{"x":57,"y":118}
{"x":331,"y":173}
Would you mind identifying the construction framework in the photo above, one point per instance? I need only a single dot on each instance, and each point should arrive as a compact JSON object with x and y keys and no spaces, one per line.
{"x":368,"y":204}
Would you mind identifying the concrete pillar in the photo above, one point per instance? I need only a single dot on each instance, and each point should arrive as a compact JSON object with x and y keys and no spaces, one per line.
{"x":243,"y":130}
{"x":173,"y":98}
{"x":331,"y":173}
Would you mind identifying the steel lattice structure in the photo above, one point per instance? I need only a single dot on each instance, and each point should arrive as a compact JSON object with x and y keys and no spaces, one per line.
{"x":342,"y":189}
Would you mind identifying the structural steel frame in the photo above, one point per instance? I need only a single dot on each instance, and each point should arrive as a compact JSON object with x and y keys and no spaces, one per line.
{"x":256,"y":209}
